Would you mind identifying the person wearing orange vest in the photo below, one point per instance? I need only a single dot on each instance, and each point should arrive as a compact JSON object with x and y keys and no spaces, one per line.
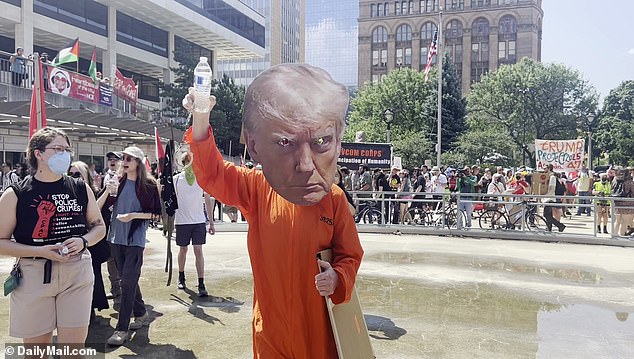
{"x":293,"y":125}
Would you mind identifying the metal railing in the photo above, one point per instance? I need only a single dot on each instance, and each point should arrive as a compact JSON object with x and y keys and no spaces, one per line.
{"x":447,"y":215}
{"x":25,"y":81}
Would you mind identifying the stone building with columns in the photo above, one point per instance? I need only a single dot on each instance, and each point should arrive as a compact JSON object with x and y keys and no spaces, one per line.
{"x":138,"y":37}
{"x":479,"y":35}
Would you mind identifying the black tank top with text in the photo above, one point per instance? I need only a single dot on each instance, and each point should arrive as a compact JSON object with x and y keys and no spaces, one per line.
{"x":50,"y":212}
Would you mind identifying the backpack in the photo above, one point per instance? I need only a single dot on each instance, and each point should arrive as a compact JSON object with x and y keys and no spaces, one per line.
{"x":560,"y":188}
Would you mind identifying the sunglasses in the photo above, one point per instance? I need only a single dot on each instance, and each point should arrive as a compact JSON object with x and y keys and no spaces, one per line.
{"x":74,"y":174}
{"x":129,"y":158}
{"x":112,"y":159}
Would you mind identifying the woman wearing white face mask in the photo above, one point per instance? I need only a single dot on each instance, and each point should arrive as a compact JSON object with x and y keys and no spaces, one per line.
{"x":53,"y":219}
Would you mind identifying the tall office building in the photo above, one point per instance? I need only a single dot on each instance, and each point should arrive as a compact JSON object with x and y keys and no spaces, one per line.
{"x":331,"y":38}
{"x":479,"y":35}
{"x":136,"y":37}
{"x":284,"y":40}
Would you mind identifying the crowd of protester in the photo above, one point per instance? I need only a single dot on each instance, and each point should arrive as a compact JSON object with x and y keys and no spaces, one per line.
{"x":560,"y":192}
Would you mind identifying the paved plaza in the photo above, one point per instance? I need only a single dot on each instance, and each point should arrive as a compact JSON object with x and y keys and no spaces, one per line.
{"x":424,"y":296}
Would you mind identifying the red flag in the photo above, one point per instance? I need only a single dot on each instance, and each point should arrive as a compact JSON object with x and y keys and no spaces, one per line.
{"x":160,"y":153}
{"x":148,"y":167}
{"x":37,"y":118}
{"x":430,"y":54}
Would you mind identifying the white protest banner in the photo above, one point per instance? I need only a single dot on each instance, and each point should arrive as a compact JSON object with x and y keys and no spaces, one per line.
{"x":564,"y":155}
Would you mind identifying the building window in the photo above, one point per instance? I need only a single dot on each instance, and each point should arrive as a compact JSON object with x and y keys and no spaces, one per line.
{"x":507,"y":37}
{"x":411,"y":8}
{"x":427,"y":32}
{"x":480,"y":30}
{"x":427,"y":6}
{"x":397,"y":8}
{"x":403,"y":33}
{"x":403,"y":7}
{"x":480,"y":3}
{"x":479,"y":49}
{"x":379,"y":51}
{"x":453,"y":45}
{"x":142,"y":35}
{"x":371,"y":10}
{"x":404,"y":45}
{"x":379,"y":9}
{"x":88,"y":15}
{"x":379,"y":35}
{"x":386,"y":9}
{"x":454,"y":4}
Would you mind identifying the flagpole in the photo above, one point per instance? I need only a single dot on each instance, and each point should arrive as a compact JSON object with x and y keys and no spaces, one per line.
{"x":36,"y":88}
{"x":439,"y":55}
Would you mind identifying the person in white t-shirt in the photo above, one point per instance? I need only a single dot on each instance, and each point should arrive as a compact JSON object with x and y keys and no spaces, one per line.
{"x":439,"y":184}
{"x":190,"y":222}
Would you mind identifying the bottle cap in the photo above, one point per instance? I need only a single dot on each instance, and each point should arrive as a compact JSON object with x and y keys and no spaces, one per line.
{"x":203,"y":59}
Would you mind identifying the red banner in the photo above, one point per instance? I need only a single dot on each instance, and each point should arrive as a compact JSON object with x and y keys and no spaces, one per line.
{"x":77,"y":86}
{"x":125,"y":88}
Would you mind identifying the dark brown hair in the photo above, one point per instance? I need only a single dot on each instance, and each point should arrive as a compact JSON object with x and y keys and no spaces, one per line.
{"x":39,"y":141}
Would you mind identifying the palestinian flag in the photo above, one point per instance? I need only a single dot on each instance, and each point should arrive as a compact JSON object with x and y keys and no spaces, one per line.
{"x":92,"y":70}
{"x":69,"y":54}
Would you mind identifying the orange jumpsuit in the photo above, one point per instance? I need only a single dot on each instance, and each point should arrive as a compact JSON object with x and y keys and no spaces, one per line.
{"x":290,"y":319}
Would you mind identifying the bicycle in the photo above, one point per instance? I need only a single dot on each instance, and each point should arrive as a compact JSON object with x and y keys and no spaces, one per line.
{"x":369,"y":213}
{"x":498,"y":218}
{"x":428,"y":217}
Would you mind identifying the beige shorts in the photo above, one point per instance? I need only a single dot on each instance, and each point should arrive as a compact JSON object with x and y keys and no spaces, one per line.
{"x":65,"y":302}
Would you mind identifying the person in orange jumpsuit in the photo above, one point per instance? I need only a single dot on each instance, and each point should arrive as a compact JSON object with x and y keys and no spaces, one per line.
{"x":293,"y":124}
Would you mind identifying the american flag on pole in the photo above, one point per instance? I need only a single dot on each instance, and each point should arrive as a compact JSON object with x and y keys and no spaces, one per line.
{"x":430,"y":54}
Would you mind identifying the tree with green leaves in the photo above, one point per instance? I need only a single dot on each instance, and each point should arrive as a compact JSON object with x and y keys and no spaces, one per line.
{"x":454,"y":106}
{"x":173,"y":93}
{"x":413,"y":104}
{"x":615,"y":131}
{"x":530,"y":100}
{"x":225,"y":118}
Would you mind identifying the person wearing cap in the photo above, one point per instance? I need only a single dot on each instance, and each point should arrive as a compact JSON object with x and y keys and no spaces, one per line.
{"x":18,"y":67}
{"x":439,"y":184}
{"x":294,"y":120}
{"x":136,"y":201}
{"x":113,"y":160}
{"x":190,"y":222}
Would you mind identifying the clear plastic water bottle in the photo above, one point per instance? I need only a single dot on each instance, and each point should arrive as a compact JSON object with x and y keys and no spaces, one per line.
{"x":202,"y":85}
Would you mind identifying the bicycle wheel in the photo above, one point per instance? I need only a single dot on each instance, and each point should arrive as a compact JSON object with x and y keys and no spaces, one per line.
{"x":372,"y":216}
{"x":493,"y":219}
{"x":455,"y":216}
{"x":412,"y":216}
{"x":536,"y":223}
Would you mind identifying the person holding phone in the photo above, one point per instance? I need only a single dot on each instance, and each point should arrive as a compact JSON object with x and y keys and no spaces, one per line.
{"x":54,"y":218}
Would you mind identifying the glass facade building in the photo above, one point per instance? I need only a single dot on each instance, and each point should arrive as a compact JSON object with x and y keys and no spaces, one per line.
{"x":284,"y":42}
{"x":332,"y":38}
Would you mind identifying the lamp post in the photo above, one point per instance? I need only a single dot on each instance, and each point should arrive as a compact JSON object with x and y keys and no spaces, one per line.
{"x":515,"y":134}
{"x":388,"y":116}
{"x":589,"y":122}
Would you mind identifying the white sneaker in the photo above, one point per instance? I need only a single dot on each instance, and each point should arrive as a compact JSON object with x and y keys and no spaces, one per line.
{"x":118,"y":338}
{"x":139,"y":321}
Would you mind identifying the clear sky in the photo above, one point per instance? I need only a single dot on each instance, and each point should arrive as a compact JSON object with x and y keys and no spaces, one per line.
{"x":594,"y":37}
